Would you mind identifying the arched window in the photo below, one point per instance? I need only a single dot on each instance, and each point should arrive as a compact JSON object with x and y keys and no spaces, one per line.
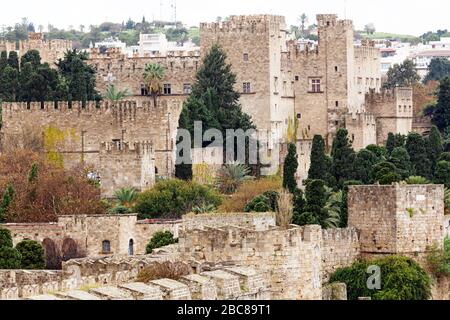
{"x":106,"y":247}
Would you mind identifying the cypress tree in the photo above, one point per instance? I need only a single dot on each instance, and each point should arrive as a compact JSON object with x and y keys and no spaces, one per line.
{"x":390,"y":143}
{"x":364,"y":162}
{"x":9,"y":84}
{"x":343,"y":157}
{"x":400,"y":158}
{"x":385,"y":173}
{"x":13,"y":60}
{"x":3,"y":61}
{"x":290,"y":169}
{"x":6,"y":202}
{"x":441,"y":112}
{"x":319,"y":168}
{"x":434,"y":147}
{"x":415,"y":145}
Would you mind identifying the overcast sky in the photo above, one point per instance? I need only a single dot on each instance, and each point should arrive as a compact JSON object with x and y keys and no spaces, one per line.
{"x":400,"y":16}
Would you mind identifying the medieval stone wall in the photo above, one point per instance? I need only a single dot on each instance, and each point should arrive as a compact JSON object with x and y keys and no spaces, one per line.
{"x":397,"y":219}
{"x":82,"y":129}
{"x":362,"y":130}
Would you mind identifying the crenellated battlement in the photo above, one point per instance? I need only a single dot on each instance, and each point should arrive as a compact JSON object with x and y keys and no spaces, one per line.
{"x":360,"y":119}
{"x":344,"y":235}
{"x":246,"y":24}
{"x":389,"y":95}
{"x":332,"y":21}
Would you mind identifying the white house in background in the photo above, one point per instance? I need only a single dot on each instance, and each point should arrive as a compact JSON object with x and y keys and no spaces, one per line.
{"x":443,"y":43}
{"x":157,"y":43}
{"x":422,"y":59}
{"x":111,"y":42}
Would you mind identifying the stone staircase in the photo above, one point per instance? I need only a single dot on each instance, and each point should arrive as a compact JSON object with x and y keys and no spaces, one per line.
{"x":235,"y":283}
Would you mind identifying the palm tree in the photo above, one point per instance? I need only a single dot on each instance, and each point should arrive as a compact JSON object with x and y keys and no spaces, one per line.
{"x":153,"y":75}
{"x":231,"y":176}
{"x":126,"y":196}
{"x":303,"y":19}
{"x":333,"y":209}
{"x":114,"y":95}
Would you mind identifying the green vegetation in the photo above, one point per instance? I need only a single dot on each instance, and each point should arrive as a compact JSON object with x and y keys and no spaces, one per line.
{"x":32,"y":255}
{"x":174,"y":198}
{"x":231,"y":176}
{"x":266,"y":202}
{"x":402,"y":75}
{"x":439,"y":260}
{"x":290,"y":169}
{"x":159,"y":240}
{"x":401,"y":279}
{"x":10,"y":257}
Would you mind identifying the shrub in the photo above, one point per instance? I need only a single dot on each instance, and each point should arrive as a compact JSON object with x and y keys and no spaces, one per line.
{"x":32,"y":254}
{"x":401,"y":279}
{"x":439,"y":260}
{"x":174,"y":198}
{"x":5,"y":238}
{"x":164,"y":270}
{"x":9,"y":258}
{"x":248,"y":191}
{"x":266,"y":202}
{"x":159,"y":240}
{"x":119,"y":210}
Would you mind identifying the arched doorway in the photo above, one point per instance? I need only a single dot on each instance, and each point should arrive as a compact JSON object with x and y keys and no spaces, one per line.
{"x":69,"y":249}
{"x":52,"y":257}
{"x":131,"y":248}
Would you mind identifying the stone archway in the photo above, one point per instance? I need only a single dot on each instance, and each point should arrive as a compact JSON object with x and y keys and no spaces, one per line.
{"x":52,"y":256}
{"x":69,"y":250}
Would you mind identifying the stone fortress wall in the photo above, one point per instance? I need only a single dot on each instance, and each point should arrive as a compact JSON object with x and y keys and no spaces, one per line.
{"x":294,"y":263}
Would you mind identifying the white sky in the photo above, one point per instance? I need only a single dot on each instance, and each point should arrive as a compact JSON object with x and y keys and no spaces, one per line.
{"x":400,"y":16}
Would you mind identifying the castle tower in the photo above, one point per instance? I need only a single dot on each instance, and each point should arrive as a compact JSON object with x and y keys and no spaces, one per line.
{"x":254,"y":45}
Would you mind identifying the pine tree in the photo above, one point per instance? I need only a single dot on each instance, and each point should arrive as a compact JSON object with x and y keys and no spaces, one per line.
{"x":343,"y":157}
{"x":400,"y":158}
{"x":290,"y":169}
{"x":434,"y":147}
{"x":6,"y":202}
{"x":214,"y":102}
{"x":319,"y":168}
{"x":415,"y":145}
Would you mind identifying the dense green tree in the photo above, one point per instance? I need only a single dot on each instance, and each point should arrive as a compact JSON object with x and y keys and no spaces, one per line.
{"x":401,"y":160}
{"x":390,"y":143}
{"x":213,"y":101}
{"x":79,"y":76}
{"x":441,"y":112}
{"x":438,"y":69}
{"x":9,"y":258}
{"x":315,"y":201}
{"x":160,"y":239}
{"x":364,"y":162}
{"x":434,"y":147}
{"x":32,"y":56}
{"x":9,"y":84}
{"x":402,"y":75}
{"x":13,"y":60}
{"x":416,"y":147}
{"x":442,"y":173}
{"x":32,"y":255}
{"x":3,"y":60}
{"x":343,"y":157}
{"x":385,"y":173}
{"x":319,"y":168}
{"x":290,"y":169}
{"x":379,"y":151}
{"x":5,"y":238}
{"x":445,"y":156}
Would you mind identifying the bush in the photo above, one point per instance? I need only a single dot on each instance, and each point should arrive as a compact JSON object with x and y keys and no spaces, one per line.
{"x":401,"y":279}
{"x":266,"y":202}
{"x":32,"y":254}
{"x":159,"y":240}
{"x":164,"y":270}
{"x":439,"y":260}
{"x":231,"y":176}
{"x":417,"y":180}
{"x":248,"y":191}
{"x":5,"y":238}
{"x":9,"y":258}
{"x":119,"y":210}
{"x":174,"y":198}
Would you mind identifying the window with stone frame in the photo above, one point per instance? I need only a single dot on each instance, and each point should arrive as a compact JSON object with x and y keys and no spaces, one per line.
{"x":187,"y":88}
{"x":144,"y":90}
{"x":167,"y":88}
{"x":316,"y":85}
{"x":245,"y":57}
{"x":246,"y":87}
